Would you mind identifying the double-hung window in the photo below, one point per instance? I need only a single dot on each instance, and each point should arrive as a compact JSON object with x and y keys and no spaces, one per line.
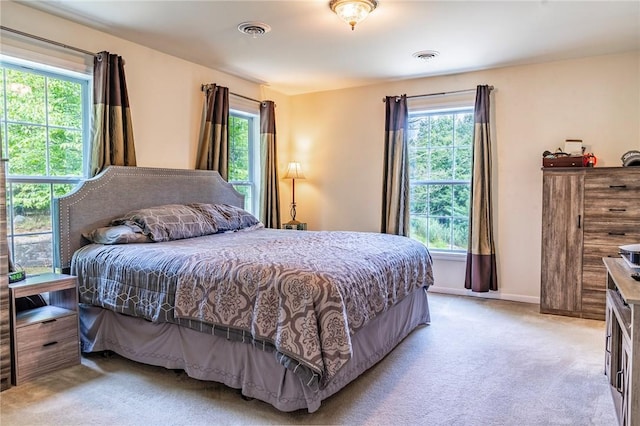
{"x":440,"y":154}
{"x":244,"y":156}
{"x":45,"y":129}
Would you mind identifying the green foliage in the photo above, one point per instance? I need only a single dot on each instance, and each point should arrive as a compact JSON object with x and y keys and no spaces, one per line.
{"x":238,"y":149}
{"x":440,"y":149}
{"x":43,"y":134}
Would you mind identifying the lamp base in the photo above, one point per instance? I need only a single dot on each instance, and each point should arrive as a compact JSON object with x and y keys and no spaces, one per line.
{"x":295,"y":225}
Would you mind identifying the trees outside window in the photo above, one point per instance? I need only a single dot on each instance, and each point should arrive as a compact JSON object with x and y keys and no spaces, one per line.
{"x":440,"y":153}
{"x":44,"y":129}
{"x":243,"y":162}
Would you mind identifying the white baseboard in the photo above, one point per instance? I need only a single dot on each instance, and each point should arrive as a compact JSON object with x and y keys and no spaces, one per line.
{"x":488,"y":295}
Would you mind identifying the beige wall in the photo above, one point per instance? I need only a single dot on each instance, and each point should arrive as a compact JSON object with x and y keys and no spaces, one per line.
{"x":164,"y":91}
{"x":339,"y":136}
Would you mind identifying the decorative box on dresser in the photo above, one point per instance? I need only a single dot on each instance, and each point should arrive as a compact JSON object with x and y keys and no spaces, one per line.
{"x":587,"y":213}
{"x":5,"y":339}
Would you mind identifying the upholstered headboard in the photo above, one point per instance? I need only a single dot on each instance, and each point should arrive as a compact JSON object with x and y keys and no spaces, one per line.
{"x":118,"y":190}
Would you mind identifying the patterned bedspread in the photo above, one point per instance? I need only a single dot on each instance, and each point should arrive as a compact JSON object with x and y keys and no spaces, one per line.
{"x":305,"y":293}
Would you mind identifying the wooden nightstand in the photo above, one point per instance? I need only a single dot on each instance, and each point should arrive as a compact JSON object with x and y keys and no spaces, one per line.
{"x":45,"y":339}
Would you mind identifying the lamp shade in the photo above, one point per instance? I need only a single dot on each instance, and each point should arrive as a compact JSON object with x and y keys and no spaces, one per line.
{"x":353,"y":11}
{"x":294,"y":171}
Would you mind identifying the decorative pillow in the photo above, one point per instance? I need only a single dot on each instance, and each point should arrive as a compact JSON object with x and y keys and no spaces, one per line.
{"x":169,"y":222}
{"x":227,"y":217}
{"x":120,"y":234}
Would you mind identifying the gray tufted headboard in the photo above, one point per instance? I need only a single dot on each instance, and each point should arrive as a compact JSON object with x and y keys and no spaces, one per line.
{"x":120,"y":189}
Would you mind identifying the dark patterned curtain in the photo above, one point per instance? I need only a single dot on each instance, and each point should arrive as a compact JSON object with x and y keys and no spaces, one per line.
{"x":269,"y":193}
{"x":395,"y":186}
{"x":482,"y":274}
{"x":112,"y":131}
{"x":213,"y":145}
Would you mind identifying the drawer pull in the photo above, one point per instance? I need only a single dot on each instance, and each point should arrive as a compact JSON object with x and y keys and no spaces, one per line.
{"x":49,"y":321}
{"x":617,"y":210}
{"x":617,"y":233}
{"x":49,"y":344}
{"x":620,"y":381}
{"x":617,"y":186}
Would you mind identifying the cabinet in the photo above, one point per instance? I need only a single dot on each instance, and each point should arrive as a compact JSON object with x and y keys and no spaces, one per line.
{"x":561,"y":273}
{"x":587,"y":213}
{"x":45,"y":339}
{"x":622,"y":341}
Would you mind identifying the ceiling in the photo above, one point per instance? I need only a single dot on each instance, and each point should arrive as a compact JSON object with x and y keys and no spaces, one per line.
{"x":310,"y":49}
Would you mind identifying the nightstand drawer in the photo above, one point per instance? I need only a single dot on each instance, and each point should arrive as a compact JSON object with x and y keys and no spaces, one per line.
{"x":37,"y":336}
{"x":47,"y":358}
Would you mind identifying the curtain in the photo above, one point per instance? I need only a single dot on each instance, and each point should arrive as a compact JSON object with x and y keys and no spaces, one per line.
{"x":112,"y":131}
{"x":395,"y":186}
{"x":482,"y":274}
{"x":213,"y":145}
{"x":269,"y":193}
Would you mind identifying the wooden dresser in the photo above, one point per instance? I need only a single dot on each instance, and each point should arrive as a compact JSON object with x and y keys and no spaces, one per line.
{"x":587,"y":213}
{"x":5,"y":339}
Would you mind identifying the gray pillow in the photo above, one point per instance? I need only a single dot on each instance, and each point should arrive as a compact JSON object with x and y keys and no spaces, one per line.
{"x":226,"y":217}
{"x":120,"y":234}
{"x":169,"y":222}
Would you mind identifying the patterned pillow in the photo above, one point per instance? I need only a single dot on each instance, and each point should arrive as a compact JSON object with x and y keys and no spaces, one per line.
{"x":120,"y":234}
{"x":226,"y":217}
{"x":169,"y":222}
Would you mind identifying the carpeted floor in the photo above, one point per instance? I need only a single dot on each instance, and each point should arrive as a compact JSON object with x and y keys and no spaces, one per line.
{"x":480,"y":362}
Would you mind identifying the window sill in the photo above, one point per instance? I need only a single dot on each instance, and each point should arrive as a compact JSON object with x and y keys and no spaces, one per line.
{"x":450,"y":256}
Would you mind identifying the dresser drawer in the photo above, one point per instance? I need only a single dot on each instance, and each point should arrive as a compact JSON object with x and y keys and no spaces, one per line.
{"x":51,"y":357}
{"x":623,"y":183}
{"x":606,"y":209}
{"x":613,"y":234}
{"x":594,"y":277}
{"x":594,"y":304}
{"x":37,"y":335}
{"x":46,"y":346}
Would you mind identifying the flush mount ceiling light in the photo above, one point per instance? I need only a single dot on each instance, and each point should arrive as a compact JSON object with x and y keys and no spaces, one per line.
{"x":353,"y":11}
{"x":426,"y":55}
{"x":254,"y":29}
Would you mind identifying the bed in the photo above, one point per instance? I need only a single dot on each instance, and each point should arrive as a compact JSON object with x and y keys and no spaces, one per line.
{"x":287,"y":317}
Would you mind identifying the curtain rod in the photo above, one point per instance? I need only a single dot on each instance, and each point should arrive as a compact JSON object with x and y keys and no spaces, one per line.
{"x":204,"y":86}
{"x":46,"y":40}
{"x":441,"y":93}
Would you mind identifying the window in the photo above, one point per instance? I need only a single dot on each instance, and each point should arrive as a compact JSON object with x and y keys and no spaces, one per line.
{"x":440,"y":154}
{"x":44,"y":129}
{"x":243,"y":157}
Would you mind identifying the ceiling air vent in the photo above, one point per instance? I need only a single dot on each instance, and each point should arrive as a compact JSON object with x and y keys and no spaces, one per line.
{"x":426,"y":55}
{"x":254,"y":29}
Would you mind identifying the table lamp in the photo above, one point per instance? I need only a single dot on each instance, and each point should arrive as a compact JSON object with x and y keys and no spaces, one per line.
{"x":294,"y":171}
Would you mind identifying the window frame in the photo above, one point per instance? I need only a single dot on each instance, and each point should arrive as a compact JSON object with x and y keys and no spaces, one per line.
{"x":85,"y":80}
{"x":422,"y":111}
{"x":253,"y":139}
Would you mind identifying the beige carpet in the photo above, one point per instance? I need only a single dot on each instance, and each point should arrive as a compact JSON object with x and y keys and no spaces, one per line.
{"x":480,"y":362}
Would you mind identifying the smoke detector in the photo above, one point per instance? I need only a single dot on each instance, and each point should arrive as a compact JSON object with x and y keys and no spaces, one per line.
{"x":426,"y":55}
{"x":254,"y":29}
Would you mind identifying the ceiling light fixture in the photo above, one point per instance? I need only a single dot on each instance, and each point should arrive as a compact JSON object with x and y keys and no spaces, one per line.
{"x":254,"y":29}
{"x":353,"y":11}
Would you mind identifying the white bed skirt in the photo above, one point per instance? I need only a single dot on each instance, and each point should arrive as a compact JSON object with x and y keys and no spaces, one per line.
{"x":240,"y":365}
